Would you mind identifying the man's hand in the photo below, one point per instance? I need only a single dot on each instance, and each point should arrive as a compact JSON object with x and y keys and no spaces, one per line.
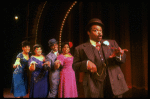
{"x":118,"y":52}
{"x":47,"y":63}
{"x":91,"y":67}
{"x":57,"y":64}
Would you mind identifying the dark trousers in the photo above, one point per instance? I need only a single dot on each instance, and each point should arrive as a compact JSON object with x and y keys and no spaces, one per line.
{"x":107,"y":90}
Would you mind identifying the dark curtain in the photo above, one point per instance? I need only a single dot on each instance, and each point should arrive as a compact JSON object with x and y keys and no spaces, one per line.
{"x":127,"y":23}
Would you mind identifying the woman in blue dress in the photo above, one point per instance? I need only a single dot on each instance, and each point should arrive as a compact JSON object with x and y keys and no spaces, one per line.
{"x":19,"y":86}
{"x":39,"y":75}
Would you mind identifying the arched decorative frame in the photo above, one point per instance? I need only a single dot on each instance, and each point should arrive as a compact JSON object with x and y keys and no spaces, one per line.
{"x":39,"y":21}
{"x":63,"y":22}
{"x":62,"y":25}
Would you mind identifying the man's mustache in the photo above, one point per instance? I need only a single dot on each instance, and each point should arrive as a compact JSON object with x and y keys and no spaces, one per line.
{"x":100,"y":35}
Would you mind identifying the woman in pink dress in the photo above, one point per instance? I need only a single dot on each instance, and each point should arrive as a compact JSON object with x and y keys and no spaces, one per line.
{"x":67,"y":85}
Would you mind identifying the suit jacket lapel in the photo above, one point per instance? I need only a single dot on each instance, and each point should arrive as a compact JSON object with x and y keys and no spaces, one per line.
{"x":96,"y":53}
{"x":92,"y":52}
{"x":89,"y":51}
{"x":52,"y":55}
{"x":106,"y":50}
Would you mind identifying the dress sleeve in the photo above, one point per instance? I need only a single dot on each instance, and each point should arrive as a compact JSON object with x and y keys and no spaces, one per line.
{"x":20,"y":55}
{"x":61,"y":59}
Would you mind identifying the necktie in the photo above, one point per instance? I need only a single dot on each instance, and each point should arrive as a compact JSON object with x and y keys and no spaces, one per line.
{"x":57,"y":54}
{"x":98,"y":45}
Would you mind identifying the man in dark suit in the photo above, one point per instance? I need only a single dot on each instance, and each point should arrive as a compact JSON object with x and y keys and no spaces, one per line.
{"x":100,"y":61}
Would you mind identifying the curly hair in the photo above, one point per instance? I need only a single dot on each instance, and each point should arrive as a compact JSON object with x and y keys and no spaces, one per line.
{"x":25,"y":43}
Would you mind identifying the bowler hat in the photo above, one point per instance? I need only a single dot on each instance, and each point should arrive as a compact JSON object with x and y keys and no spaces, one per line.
{"x":94,"y":21}
{"x":51,"y":42}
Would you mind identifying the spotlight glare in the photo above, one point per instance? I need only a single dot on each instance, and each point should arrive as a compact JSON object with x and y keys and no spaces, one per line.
{"x":16,"y":17}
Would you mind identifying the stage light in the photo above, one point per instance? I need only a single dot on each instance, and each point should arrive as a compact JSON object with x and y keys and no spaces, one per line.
{"x":16,"y":17}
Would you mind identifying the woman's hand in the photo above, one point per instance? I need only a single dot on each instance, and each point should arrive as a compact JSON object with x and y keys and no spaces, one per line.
{"x":32,"y":66}
{"x":57,"y":64}
{"x":17,"y":63}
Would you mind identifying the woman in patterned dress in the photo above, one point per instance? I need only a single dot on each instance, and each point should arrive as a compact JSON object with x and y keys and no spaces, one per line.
{"x":39,"y":76}
{"x":19,"y":86}
{"x":67,"y":85}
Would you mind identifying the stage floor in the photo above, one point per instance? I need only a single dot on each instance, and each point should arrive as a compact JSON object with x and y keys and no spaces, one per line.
{"x":134,"y":93}
{"x":7,"y":94}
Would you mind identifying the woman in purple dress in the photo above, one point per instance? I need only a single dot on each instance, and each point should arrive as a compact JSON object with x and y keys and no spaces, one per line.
{"x":67,"y":85}
{"x":39,"y":76}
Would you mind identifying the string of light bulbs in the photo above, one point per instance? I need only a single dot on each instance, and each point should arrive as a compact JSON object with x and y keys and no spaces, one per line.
{"x":39,"y":21}
{"x":63,"y":22}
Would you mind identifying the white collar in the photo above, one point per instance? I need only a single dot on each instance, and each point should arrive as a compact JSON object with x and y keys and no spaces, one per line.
{"x":55,"y":52}
{"x":93,"y":43}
